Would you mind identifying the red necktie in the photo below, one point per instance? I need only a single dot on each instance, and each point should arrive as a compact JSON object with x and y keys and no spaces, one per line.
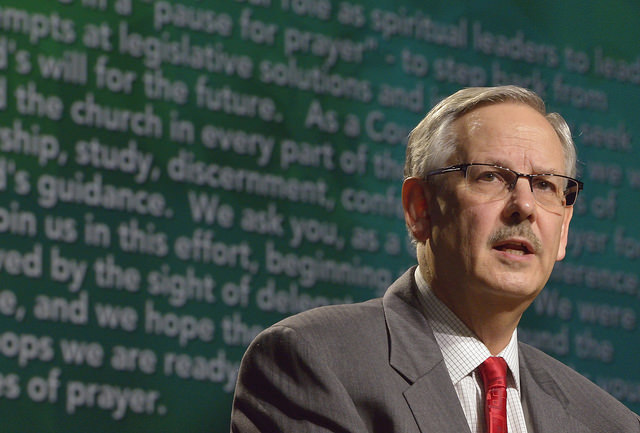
{"x":494,"y":377}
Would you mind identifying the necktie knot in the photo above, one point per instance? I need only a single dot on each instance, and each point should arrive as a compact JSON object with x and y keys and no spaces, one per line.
{"x":494,"y":372}
{"x":494,"y":378}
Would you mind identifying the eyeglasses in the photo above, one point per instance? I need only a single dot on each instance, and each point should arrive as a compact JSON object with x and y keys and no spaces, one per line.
{"x":553,"y":190}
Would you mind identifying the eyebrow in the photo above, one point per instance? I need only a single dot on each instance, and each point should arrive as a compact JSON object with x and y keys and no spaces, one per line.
{"x":502,"y":164}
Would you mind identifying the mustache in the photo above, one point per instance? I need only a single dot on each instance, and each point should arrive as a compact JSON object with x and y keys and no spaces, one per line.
{"x":521,"y":230}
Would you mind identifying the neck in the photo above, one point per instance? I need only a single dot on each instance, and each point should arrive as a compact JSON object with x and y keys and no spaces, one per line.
{"x":494,"y":330}
{"x":493,"y":323}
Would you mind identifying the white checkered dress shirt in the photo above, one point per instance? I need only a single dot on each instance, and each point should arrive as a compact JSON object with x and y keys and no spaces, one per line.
{"x":463,"y":353}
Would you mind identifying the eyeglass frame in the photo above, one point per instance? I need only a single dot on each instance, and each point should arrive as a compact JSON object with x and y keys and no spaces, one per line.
{"x":463,"y":168}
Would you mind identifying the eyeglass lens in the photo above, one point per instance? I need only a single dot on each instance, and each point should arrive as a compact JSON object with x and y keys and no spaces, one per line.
{"x":548,"y":189}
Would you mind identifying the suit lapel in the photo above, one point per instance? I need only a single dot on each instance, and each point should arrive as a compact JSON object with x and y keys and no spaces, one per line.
{"x":545,"y":401}
{"x":414,"y":354}
{"x":435,"y":405}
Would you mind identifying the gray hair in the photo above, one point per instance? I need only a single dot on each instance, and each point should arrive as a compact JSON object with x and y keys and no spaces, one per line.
{"x":433,"y":141}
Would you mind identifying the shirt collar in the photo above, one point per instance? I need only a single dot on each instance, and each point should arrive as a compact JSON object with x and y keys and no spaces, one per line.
{"x":461,"y":349}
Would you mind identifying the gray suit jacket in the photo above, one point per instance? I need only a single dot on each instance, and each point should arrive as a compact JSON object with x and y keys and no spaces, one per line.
{"x":376,"y":367}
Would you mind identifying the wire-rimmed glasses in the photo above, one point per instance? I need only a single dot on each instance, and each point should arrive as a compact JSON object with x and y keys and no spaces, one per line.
{"x":495,"y":182}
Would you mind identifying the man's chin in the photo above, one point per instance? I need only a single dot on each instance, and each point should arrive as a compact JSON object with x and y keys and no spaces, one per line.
{"x":519,"y":287}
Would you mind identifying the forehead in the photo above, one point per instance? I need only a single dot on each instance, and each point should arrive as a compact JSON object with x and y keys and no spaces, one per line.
{"x":510,"y":134}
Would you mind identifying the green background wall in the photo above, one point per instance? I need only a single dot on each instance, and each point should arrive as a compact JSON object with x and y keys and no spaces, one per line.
{"x":176,"y":176}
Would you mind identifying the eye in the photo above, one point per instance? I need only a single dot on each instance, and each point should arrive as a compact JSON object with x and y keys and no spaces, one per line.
{"x":489,"y":175}
{"x":545,"y":184}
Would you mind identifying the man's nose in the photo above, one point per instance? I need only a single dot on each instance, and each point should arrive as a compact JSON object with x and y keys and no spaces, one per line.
{"x":521,"y":203}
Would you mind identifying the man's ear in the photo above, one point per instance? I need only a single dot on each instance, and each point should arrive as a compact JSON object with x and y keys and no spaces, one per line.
{"x":416,"y":208}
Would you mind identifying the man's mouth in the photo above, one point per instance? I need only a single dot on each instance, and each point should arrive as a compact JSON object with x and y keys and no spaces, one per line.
{"x":515,"y":241}
{"x":517,"y":248}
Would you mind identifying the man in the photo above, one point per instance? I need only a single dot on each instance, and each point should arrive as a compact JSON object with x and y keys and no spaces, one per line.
{"x":488,"y":199}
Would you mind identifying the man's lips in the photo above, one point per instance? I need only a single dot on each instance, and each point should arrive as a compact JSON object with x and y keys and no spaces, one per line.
{"x":517,"y":239}
{"x":515,"y":246}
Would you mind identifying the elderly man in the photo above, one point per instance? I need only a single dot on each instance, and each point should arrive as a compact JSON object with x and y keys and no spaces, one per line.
{"x":488,"y":198}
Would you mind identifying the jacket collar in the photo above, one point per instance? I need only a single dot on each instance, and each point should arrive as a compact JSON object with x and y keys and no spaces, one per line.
{"x":414,"y":354}
{"x":545,"y":401}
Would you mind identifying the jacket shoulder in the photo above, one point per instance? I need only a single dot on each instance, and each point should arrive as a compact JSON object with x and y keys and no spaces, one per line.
{"x":332,"y":323}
